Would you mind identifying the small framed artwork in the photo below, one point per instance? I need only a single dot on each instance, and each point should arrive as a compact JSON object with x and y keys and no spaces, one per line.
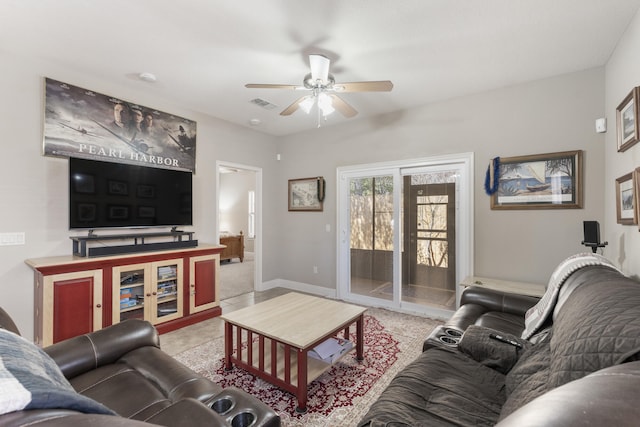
{"x":118,"y":188}
{"x":84,"y":183}
{"x":146,"y":191}
{"x":86,"y":212}
{"x":626,"y":199}
{"x":627,"y":130}
{"x":118,"y":212}
{"x":540,"y":181}
{"x":146,"y":212}
{"x":636,"y":194}
{"x":306,"y":194}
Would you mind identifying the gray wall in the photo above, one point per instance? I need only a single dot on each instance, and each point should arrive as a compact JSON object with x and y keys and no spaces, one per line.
{"x":551,"y":115}
{"x":622,"y":75}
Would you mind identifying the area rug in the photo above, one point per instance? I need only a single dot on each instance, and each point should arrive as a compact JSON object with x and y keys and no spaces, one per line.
{"x":342,"y":395}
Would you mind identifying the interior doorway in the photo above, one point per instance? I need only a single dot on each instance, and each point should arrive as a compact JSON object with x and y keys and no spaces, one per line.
{"x":239,"y":202}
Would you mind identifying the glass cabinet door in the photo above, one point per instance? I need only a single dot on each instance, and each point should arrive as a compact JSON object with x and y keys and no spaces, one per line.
{"x":130,"y":292}
{"x":166,"y":290}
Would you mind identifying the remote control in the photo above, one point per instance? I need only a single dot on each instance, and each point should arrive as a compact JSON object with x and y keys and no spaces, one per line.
{"x":505,"y":340}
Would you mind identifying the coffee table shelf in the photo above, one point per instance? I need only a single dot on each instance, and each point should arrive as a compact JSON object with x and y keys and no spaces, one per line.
{"x":272,"y":339}
{"x":315,"y":367}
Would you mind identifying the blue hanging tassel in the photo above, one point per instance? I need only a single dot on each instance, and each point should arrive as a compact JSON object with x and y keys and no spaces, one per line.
{"x":492,"y":178}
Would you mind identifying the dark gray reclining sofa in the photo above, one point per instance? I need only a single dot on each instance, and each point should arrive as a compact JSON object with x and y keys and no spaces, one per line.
{"x":579,"y":368}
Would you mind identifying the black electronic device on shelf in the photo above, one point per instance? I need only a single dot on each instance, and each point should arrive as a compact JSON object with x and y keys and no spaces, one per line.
{"x":592,"y":236}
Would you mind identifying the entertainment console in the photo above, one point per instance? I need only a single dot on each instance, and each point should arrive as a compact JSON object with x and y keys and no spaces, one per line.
{"x":138,"y":245}
{"x":171,"y":289}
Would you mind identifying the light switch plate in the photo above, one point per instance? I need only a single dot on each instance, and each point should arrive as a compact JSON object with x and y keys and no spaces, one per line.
{"x":8,"y":239}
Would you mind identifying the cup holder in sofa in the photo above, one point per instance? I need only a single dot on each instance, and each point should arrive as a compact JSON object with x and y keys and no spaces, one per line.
{"x":453,"y":333}
{"x":240,"y":409}
{"x":449,"y":340}
{"x":443,"y":336}
{"x":243,"y":419}
{"x":221,"y":406}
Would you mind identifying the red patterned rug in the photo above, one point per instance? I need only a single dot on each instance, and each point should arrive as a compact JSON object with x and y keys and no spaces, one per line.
{"x":341,"y":395}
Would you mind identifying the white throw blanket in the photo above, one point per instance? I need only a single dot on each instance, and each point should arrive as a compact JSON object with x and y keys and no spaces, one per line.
{"x":538,"y":314}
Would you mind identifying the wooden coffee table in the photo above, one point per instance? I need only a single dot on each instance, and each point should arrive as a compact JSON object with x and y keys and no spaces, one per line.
{"x":271,"y":339}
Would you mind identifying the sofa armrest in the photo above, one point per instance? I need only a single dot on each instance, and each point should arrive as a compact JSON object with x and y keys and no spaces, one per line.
{"x":494,"y":300}
{"x":65,"y":418}
{"x":83,"y":353}
{"x":605,"y":397}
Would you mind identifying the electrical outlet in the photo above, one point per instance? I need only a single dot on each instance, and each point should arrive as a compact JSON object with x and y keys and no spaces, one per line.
{"x":315,"y":269}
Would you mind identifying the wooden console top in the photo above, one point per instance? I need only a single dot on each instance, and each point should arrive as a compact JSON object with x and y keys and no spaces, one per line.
{"x":59,"y":260}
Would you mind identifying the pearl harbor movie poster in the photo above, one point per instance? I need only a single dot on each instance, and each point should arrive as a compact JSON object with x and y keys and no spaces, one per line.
{"x":82,"y":123}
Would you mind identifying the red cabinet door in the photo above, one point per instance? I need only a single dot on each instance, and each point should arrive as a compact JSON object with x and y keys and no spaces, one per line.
{"x":203,"y":288}
{"x":75,"y":306}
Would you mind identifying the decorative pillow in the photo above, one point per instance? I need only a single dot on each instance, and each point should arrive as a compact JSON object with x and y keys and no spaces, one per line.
{"x":487,"y":346}
{"x":30,"y":379}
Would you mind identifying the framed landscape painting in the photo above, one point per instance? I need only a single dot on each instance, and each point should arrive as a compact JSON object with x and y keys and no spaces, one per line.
{"x":627,"y":131}
{"x":625,"y":199}
{"x":541,"y":181}
{"x":306,"y":194}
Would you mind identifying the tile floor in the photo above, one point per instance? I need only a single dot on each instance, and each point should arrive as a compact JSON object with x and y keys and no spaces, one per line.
{"x":191,"y":336}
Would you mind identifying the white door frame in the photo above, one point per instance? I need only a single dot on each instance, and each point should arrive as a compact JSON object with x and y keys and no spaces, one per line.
{"x":257,"y":273}
{"x":464,"y":224}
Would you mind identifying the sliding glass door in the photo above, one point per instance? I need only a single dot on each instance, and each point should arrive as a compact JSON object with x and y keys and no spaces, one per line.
{"x":371,"y":236}
{"x":400,"y":233}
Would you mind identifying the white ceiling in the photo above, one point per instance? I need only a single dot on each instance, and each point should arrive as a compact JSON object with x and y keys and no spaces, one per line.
{"x":204,"y":51}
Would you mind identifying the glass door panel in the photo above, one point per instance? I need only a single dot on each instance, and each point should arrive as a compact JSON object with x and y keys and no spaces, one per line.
{"x":371,"y":236}
{"x":429,"y":246}
{"x":167,"y":290}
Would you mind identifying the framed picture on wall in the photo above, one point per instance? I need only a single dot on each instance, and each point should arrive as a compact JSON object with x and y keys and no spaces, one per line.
{"x":306,"y":194}
{"x":626,"y":199}
{"x":540,"y":181}
{"x":636,"y":194}
{"x":627,"y":130}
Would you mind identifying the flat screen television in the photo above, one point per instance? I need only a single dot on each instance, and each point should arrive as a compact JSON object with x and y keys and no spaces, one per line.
{"x":116,"y":195}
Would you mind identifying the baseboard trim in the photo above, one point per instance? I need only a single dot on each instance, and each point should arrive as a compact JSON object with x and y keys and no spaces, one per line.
{"x":298,"y":286}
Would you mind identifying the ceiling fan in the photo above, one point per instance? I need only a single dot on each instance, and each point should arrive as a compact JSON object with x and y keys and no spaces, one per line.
{"x":324,"y":90}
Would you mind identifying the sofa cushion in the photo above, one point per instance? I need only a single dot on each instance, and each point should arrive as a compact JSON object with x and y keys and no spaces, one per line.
{"x":440,"y":388}
{"x":528,"y":378}
{"x":598,"y":326}
{"x":30,"y":379}
{"x":111,"y":385}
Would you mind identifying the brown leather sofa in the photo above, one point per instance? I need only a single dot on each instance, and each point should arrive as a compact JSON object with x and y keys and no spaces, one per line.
{"x":581,"y":367}
{"x":123,"y":368}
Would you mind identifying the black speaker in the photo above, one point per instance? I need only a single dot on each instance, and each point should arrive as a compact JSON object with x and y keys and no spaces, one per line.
{"x":591,"y":233}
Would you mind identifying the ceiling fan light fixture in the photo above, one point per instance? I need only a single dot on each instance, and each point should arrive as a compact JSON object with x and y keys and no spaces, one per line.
{"x":306,"y":104}
{"x":325,"y":104}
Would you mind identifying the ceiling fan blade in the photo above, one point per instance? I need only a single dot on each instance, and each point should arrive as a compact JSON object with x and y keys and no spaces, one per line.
{"x":319,"y":68}
{"x":341,"y":105}
{"x":269,"y":86}
{"x":379,"y":86}
{"x":293,"y":107}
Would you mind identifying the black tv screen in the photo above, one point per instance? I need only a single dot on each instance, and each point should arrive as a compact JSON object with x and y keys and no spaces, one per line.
{"x":110,"y":195}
